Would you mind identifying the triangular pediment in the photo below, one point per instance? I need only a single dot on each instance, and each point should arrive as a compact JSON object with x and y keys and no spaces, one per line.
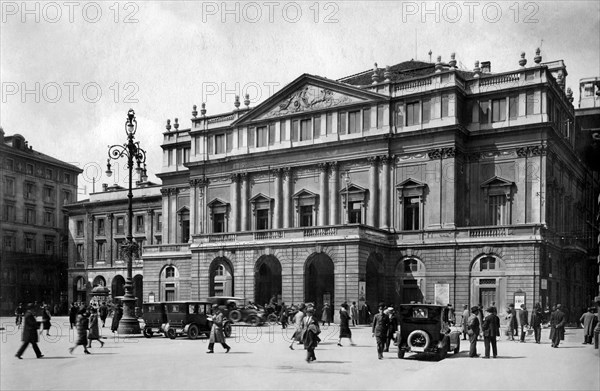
{"x":304,"y":194}
{"x":410,"y":182}
{"x":352,"y":188}
{"x":260,"y":197}
{"x":497,"y":181}
{"x":307,"y":94}
{"x":216,"y":202}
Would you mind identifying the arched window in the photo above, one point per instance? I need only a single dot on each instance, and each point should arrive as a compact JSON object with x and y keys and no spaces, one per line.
{"x":487,"y":263}
{"x":170,"y":272}
{"x":411,"y":266}
{"x":220,"y":271}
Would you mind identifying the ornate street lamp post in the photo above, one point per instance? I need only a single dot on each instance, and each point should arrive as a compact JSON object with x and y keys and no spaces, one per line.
{"x":129,"y":323}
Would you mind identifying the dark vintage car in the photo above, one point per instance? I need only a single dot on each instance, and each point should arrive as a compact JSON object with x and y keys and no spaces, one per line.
{"x":425,"y":328}
{"x":155,"y":319}
{"x":233,"y":308}
{"x":190,"y":318}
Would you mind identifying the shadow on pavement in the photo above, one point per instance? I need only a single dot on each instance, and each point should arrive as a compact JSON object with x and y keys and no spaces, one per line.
{"x":56,"y":358}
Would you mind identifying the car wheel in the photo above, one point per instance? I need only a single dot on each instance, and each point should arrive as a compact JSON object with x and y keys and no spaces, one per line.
{"x":147,"y":333}
{"x":273,"y":318}
{"x":193,"y":331}
{"x":418,"y":339}
{"x":401,"y":353}
{"x":253,"y":320}
{"x":235,"y":316}
{"x":226,"y":330}
{"x":457,"y":348}
{"x":171,"y":333}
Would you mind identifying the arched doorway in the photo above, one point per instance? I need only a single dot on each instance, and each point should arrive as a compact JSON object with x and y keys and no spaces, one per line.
{"x":267,"y":279}
{"x":80,"y":290}
{"x":99,"y":281}
{"x":410,"y":281}
{"x":488,"y":282}
{"x":220,"y":278}
{"x":169,"y":283}
{"x":118,"y":286}
{"x":319,"y":283}
{"x":374,"y":282}
{"x":138,"y":289}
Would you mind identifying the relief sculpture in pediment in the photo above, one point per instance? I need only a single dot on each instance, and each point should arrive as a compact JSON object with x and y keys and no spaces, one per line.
{"x":308,"y":98}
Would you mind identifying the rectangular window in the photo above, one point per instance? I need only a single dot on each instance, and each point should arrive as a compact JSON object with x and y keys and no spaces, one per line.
{"x":295,"y":130}
{"x":366,"y":125}
{"x":399,"y":114}
{"x":79,"y":228}
{"x":499,"y":110}
{"x":100,"y":227}
{"x":306,"y":216}
{"x":317,"y":126}
{"x":353,"y":122}
{"x":67,"y":177}
{"x":30,"y":216}
{"x":9,"y":164}
{"x":262,"y":219}
{"x":66,"y":197}
{"x":272,"y":131}
{"x":261,"y":136}
{"x":49,"y":218}
{"x":513,"y":106}
{"x":49,"y":247}
{"x":411,"y":213}
{"x":355,"y":212}
{"x":219,"y":222}
{"x":484,"y":112}
{"x":211,"y":145}
{"x":329,"y":123}
{"x":305,"y":130}
{"x":426,"y":110}
{"x":380,"y":111}
{"x":159,"y":222}
{"x":169,"y":157}
{"x":445,"y":105}
{"x":413,"y":115}
{"x":529,"y":102}
{"x":80,"y":253}
{"x":48,"y":194}
{"x":186,"y":155}
{"x":251,"y":137}
{"x":282,"y":129}
{"x":497,"y":210}
{"x":29,"y":245}
{"x":179,"y":156}
{"x":8,"y":242}
{"x":49,"y":173}
{"x":29,"y":169}
{"x":120,"y":225}
{"x":10,"y":186}
{"x":342,"y":123}
{"x":9,"y":212}
{"x":229,"y":142}
{"x":219,"y":143}
{"x":101,"y":250}
{"x":139,"y":224}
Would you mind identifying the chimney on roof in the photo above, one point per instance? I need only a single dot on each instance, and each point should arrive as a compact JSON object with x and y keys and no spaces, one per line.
{"x":486,"y":67}
{"x":104,"y":186}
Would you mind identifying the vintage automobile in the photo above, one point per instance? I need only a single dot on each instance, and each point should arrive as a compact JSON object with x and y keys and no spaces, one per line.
{"x":190,"y":318}
{"x":155,"y":319}
{"x":425,"y":328}
{"x":233,"y":308}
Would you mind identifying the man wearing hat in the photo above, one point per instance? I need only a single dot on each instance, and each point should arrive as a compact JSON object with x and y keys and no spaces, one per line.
{"x":381,"y":323}
{"x":491,"y":330}
{"x":216,"y":332}
{"x":557,"y":326}
{"x":588,"y":320}
{"x":30,"y":335}
{"x":473,"y":331}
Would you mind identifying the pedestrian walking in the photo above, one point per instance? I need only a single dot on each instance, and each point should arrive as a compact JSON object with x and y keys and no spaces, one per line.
{"x":29,"y":335}
{"x":512,"y":324}
{"x":73,"y":314}
{"x":46,"y":320}
{"x":117,"y":315}
{"x":283,"y":316}
{"x":588,"y":320}
{"x":367,"y":312}
{"x":216,"y":332}
{"x":473,"y":329}
{"x":465,"y":318}
{"x":310,"y":334}
{"x":82,"y":325}
{"x":451,"y":315}
{"x":491,"y":330}
{"x":19,"y":312}
{"x":354,"y":314}
{"x":537,"y":317}
{"x":557,"y":326}
{"x":325,"y":315}
{"x":523,"y":316}
{"x":94,"y":333}
{"x":381,"y":322}
{"x":298,"y":318}
{"x":345,"y":331}
{"x":392,"y":328}
{"x":103,"y":312}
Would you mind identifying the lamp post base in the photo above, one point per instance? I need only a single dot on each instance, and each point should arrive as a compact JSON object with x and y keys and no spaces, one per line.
{"x":129,"y":324}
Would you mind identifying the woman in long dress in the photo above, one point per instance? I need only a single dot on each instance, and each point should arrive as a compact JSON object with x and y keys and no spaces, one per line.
{"x":94,"y":333}
{"x":345,"y":325}
{"x":82,"y":324}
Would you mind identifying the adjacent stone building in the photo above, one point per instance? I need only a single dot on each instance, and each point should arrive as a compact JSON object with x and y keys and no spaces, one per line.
{"x":33,"y":224}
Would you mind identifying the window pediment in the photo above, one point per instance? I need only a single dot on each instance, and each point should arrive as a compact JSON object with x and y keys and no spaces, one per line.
{"x":260,"y":201}
{"x":305,"y":195}
{"x":411,"y":188}
{"x":354,"y":192}
{"x":497,"y":186}
{"x":218,"y":206}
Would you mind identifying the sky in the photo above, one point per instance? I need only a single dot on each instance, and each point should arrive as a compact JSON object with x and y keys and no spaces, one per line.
{"x":70,"y":71}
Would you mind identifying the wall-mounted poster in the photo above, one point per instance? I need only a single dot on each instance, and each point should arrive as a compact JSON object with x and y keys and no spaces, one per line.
{"x":442,"y":294}
{"x":519,"y":299}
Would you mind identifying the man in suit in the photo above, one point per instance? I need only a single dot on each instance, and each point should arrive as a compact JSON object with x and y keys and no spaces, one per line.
{"x":381,"y":323}
{"x":491,"y":330}
{"x":473,"y":328}
{"x":30,"y":335}
{"x":465,"y":317}
{"x":557,"y":326}
{"x":523,"y":322}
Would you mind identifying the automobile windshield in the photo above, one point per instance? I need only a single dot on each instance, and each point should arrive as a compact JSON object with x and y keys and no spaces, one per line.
{"x":175,"y":308}
{"x":420,"y":313}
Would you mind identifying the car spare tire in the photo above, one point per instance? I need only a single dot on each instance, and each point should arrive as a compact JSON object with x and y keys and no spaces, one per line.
{"x":235,"y":316}
{"x":418,"y":339}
